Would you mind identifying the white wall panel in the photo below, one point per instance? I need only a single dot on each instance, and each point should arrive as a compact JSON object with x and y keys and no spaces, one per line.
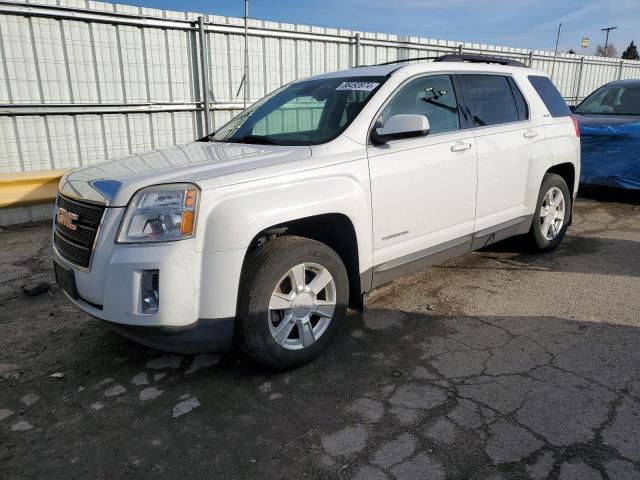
{"x":116,"y":135}
{"x":51,"y":64}
{"x":179,"y":53}
{"x":9,"y":151}
{"x":107,"y":59}
{"x":157,"y":67}
{"x":33,"y":143}
{"x":219,"y":78}
{"x":81,"y":64}
{"x":90,"y":137}
{"x":62,"y":138}
{"x":256,"y":68}
{"x":134,"y":68}
{"x":22,"y":78}
{"x":88,"y":65}
{"x":140,"y":132}
{"x":183,"y":124}
{"x":162,"y":129}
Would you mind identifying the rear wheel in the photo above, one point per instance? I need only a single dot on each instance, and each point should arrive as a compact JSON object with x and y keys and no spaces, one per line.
{"x":293,"y":300}
{"x":552,"y":215}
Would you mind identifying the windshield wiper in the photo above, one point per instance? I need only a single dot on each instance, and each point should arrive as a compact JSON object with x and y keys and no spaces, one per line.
{"x":258,"y":139}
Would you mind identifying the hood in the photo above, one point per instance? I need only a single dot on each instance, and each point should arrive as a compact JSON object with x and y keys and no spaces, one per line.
{"x":113,"y":183}
{"x":606,"y":120}
{"x":626,"y":126}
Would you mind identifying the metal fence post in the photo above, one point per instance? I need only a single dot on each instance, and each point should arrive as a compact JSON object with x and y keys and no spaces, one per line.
{"x":204,"y":95}
{"x":577,"y":92}
{"x":620,"y":71}
{"x":357,"y":56}
{"x":246,"y":53}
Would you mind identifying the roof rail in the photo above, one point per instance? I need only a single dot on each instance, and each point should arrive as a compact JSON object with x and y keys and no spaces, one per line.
{"x":403,"y":60}
{"x":458,"y":57}
{"x":461,"y":57}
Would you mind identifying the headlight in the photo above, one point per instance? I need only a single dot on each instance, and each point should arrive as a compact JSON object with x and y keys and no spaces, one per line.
{"x":161,"y":213}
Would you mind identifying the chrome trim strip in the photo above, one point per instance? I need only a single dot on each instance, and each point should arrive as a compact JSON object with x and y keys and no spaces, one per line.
{"x":510,"y":228}
{"x":501,"y":226}
{"x":427,"y":252}
{"x":422,"y":259}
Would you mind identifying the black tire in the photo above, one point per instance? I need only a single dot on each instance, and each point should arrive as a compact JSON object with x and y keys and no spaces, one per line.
{"x":535,"y":238}
{"x":263,"y":269}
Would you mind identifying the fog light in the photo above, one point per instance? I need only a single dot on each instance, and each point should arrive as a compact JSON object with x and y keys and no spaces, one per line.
{"x":150,"y":295}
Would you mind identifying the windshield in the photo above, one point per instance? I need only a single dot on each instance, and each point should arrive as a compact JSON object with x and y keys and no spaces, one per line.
{"x":302,"y":113}
{"x":614,"y":100}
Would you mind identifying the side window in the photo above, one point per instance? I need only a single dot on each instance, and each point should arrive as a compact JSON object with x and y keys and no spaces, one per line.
{"x":550,"y":96}
{"x":521,"y":103}
{"x":490,"y":99}
{"x":432,"y":96}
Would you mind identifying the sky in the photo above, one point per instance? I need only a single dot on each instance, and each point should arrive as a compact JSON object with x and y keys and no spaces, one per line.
{"x":530,"y":24}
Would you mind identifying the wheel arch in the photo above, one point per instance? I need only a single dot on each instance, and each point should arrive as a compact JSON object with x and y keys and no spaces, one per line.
{"x":336,"y":230}
{"x":568,"y":172}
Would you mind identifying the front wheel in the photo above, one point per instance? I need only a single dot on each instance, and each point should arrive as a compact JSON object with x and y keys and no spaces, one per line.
{"x":293,"y":299}
{"x":552,"y":214}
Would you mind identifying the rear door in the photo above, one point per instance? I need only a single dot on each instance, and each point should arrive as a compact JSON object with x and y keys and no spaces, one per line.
{"x":506,"y":142}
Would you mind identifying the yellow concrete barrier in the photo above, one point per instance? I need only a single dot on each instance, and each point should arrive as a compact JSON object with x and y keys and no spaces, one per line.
{"x":29,"y":187}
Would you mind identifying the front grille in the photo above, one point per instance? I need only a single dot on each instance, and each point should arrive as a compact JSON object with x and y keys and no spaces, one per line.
{"x":76,"y":246}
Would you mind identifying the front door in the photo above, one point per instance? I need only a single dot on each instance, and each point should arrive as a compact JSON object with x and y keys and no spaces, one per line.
{"x":424,"y":188}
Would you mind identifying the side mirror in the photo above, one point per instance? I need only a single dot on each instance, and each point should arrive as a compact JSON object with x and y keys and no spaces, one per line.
{"x":401,"y":126}
{"x":572,"y":108}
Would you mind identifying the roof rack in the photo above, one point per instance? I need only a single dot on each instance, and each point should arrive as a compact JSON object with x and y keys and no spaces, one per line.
{"x":459,"y":57}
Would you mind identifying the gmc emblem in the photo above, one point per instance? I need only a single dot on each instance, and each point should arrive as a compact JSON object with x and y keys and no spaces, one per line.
{"x":66,"y":218}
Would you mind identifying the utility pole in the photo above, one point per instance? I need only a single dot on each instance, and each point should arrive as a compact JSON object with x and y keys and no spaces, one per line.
{"x":606,"y":41}
{"x":246,"y":53}
{"x":555,"y":53}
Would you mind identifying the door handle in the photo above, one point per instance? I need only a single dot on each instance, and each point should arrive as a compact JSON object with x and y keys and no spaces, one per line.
{"x":460,"y":147}
{"x":530,"y":134}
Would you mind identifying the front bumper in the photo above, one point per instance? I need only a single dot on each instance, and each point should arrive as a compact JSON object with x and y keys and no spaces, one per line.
{"x":205,"y":335}
{"x":197,"y":290}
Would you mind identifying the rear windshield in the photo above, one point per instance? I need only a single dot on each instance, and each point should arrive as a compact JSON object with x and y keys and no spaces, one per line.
{"x":550,"y":96}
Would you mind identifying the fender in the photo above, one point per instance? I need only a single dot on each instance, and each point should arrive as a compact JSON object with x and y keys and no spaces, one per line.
{"x":234,"y":216}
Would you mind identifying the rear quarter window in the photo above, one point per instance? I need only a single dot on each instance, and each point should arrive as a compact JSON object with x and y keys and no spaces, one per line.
{"x":550,"y":96}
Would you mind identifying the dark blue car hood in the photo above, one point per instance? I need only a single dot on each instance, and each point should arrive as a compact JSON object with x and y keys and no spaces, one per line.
{"x":610,"y":147}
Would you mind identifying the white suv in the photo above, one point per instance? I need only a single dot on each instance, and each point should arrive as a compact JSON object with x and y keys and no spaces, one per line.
{"x":264,"y":232}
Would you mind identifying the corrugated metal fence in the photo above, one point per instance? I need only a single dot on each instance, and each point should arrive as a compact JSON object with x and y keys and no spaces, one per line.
{"x":84,"y":81}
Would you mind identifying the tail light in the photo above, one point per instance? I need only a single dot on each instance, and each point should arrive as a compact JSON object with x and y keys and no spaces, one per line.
{"x":576,"y":125}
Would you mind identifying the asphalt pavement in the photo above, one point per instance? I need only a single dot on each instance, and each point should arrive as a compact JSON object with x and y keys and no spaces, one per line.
{"x":497,"y":365}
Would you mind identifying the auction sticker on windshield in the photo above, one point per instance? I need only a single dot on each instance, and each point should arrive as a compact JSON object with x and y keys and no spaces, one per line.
{"x":365,"y":86}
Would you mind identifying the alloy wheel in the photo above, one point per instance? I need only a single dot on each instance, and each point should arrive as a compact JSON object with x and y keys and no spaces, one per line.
{"x":552,"y":213}
{"x":301,"y":306}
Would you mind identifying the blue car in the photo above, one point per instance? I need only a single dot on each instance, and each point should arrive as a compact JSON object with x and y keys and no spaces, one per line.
{"x":609,"y":122}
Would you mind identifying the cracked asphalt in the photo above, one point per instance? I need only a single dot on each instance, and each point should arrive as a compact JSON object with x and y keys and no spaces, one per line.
{"x":497,"y":365}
